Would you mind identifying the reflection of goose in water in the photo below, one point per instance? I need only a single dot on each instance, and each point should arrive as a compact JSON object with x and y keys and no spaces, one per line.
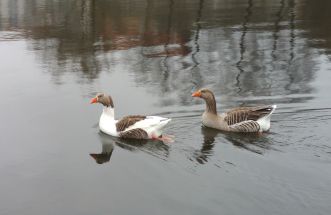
{"x":251,"y":142}
{"x":206,"y":150}
{"x":154,"y":148}
{"x":107,"y":150}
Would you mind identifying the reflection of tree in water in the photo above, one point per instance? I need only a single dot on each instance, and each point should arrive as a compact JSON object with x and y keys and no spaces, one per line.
{"x":242,"y":45}
{"x":88,"y":36}
{"x":164,"y":61}
{"x":197,"y":79}
{"x":315,"y":18}
{"x":279,"y":18}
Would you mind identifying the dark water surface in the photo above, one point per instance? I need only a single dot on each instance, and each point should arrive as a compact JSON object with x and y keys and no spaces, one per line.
{"x":149,"y":55}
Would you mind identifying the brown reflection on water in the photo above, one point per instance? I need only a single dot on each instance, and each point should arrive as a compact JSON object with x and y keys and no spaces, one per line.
{"x":185,"y":44}
{"x":154,"y":52}
{"x":314,"y":18}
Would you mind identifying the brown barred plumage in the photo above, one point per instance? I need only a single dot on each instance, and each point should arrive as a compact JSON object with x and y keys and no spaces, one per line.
{"x":246,"y":126}
{"x":246,"y":113}
{"x":137,"y":133}
{"x":242,"y":119}
{"x":127,"y":121}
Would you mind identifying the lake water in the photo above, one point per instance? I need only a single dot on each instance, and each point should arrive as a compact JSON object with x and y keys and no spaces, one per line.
{"x":150,"y":55}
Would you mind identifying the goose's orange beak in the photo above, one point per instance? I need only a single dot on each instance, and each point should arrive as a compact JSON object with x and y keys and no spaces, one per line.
{"x":94,"y":100}
{"x":196,"y":94}
{"x":94,"y":156}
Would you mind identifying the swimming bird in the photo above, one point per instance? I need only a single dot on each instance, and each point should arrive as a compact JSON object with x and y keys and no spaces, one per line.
{"x":133,"y":126}
{"x":241,"y":119}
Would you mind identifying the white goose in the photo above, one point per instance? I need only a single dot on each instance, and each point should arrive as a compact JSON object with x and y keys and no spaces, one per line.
{"x":133,"y":126}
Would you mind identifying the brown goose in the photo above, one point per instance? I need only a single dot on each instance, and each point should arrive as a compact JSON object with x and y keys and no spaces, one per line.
{"x":241,"y":119}
{"x":133,"y":126}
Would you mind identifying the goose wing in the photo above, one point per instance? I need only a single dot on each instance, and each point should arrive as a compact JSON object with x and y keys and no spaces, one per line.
{"x":243,"y":114}
{"x":245,"y":126}
{"x":136,"y":133}
{"x":140,"y":127}
{"x":128,"y":121}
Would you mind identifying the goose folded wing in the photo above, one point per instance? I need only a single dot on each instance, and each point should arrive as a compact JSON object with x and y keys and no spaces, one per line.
{"x":245,"y":126}
{"x":136,"y":133}
{"x":128,"y":121}
{"x":243,"y":114}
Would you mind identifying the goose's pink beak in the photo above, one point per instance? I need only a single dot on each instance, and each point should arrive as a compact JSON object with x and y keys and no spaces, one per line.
{"x":196,"y":94}
{"x":94,"y":100}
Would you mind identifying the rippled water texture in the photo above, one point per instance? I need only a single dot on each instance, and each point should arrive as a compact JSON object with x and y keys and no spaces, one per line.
{"x":150,"y":55}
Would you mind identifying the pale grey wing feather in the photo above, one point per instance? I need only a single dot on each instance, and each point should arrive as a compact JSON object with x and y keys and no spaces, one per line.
{"x":245,"y":126}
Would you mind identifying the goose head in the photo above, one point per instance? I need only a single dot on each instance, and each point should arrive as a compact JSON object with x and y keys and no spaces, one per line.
{"x":205,"y":94}
{"x":103,"y":99}
{"x":209,"y":98}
